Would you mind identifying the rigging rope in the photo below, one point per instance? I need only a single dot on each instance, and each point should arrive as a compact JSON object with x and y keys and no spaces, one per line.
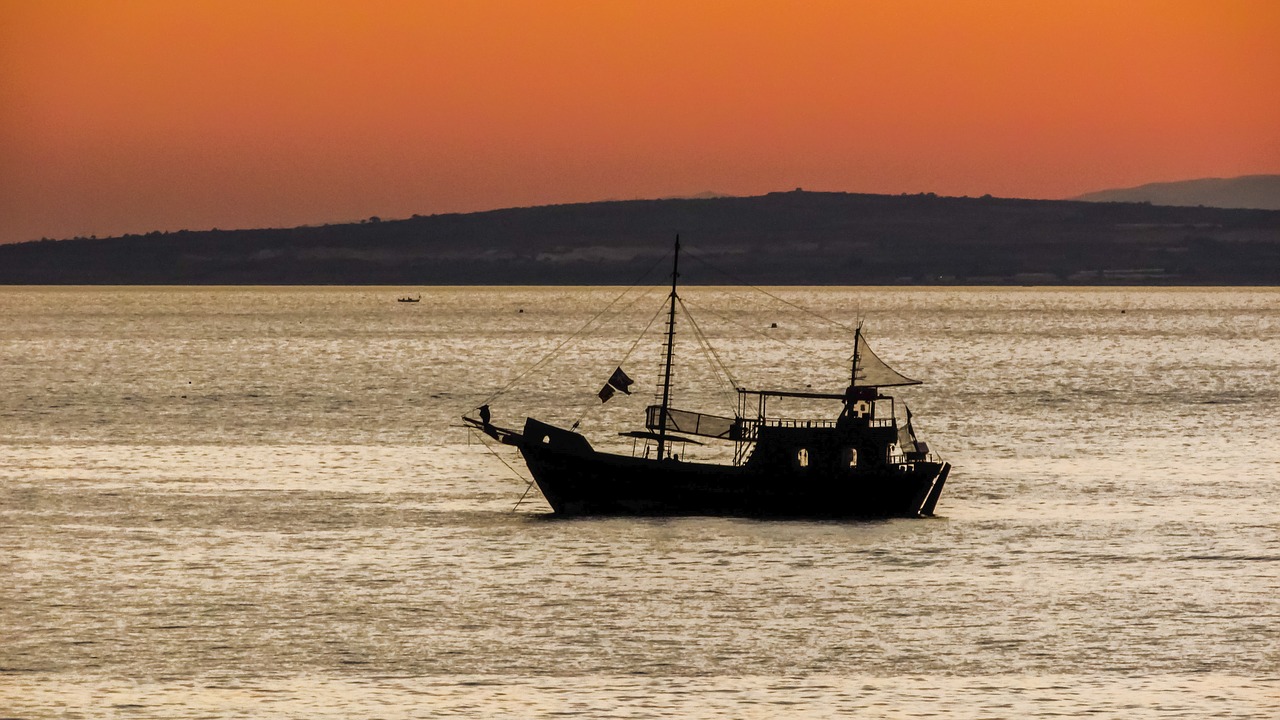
{"x":582,"y":330}
{"x":716,"y":363}
{"x":694,"y":254}
{"x":485,"y":444}
{"x":798,"y":349}
{"x":593,"y":407}
{"x":766,"y":336}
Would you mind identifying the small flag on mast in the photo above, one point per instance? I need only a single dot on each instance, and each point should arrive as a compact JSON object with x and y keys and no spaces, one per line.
{"x":617,"y":381}
{"x":620,"y":381}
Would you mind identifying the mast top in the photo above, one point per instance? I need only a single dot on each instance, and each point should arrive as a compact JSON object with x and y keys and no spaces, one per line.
{"x":675,"y":265}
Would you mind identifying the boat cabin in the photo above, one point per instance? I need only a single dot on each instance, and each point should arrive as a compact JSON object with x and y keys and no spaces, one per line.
{"x":865,"y":436}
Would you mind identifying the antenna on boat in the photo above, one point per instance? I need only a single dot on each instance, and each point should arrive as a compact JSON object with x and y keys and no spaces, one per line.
{"x":671,"y":337}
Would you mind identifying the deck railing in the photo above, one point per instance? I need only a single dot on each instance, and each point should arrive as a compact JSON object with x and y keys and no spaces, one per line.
{"x":900,"y":459}
{"x":797,"y":423}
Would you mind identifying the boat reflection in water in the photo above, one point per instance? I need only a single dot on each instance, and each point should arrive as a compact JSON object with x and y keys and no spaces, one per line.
{"x":857,"y":461}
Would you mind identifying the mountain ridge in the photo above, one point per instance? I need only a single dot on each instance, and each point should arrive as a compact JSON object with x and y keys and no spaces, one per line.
{"x":1258,"y":192}
{"x":796,"y":237}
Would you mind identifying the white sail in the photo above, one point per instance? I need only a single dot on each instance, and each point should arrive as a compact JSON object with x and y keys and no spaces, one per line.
{"x":871,"y":371}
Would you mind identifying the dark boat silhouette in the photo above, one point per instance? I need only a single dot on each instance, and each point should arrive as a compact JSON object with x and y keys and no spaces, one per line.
{"x":856,"y":462}
{"x":408,"y":298}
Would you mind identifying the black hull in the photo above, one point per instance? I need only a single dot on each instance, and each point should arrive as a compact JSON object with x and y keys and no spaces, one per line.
{"x":581,"y":481}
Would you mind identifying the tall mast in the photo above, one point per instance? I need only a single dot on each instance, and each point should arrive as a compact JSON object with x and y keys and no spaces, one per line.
{"x":857,"y":338}
{"x":671,"y":340}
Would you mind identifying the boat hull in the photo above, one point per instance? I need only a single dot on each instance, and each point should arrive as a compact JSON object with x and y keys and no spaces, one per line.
{"x":582,"y":481}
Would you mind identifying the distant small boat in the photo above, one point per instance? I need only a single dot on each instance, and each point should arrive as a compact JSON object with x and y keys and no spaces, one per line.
{"x":406,"y":298}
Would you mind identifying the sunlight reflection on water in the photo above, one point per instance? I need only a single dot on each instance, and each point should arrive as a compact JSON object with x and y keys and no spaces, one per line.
{"x":245,"y":501}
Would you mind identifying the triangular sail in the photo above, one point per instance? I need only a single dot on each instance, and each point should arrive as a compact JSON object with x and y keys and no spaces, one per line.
{"x":871,"y":371}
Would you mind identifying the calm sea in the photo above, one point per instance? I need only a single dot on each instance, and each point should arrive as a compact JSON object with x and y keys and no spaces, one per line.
{"x":248,"y":502}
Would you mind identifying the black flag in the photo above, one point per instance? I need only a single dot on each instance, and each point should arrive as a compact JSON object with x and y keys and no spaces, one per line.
{"x":620,"y":381}
{"x":605,"y":393}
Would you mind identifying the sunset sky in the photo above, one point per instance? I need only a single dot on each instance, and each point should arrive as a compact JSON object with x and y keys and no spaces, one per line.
{"x":132,"y":116}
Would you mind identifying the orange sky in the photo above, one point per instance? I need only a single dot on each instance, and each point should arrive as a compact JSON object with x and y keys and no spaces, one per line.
{"x":130,"y":116}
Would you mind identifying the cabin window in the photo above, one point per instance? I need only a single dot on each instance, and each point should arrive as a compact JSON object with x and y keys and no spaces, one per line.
{"x":851,"y":457}
{"x":802,"y":457}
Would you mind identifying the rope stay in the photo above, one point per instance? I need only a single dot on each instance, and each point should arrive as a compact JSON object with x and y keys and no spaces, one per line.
{"x":591,"y":407}
{"x":721,"y":371}
{"x":693,"y":254}
{"x":575,"y":335}
{"x":748,"y":328}
{"x":528,"y":483}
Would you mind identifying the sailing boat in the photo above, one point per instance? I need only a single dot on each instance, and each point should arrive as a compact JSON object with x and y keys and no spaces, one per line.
{"x":859,"y":463}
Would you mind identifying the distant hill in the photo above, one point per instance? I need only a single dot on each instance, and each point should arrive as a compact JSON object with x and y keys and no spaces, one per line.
{"x":1250,"y":191}
{"x":785,"y":238}
{"x":707,"y":195}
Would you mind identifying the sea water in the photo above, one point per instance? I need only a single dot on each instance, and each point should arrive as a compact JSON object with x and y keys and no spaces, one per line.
{"x":259,"y":502}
